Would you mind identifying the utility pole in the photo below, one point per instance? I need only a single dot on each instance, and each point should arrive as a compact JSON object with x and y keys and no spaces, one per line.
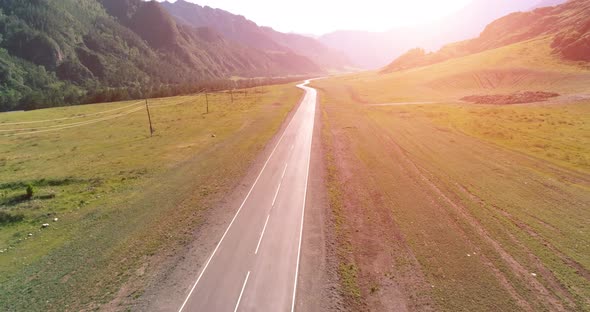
{"x":207,"y":100}
{"x":231,"y":94}
{"x":147,"y":108}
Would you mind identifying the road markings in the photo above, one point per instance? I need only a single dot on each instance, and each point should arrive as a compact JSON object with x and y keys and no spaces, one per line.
{"x":261,"y":235}
{"x":242,"y":292}
{"x":234,"y":218}
{"x":279,"y":187}
{"x":289,"y":126}
{"x":284,"y":170}
{"x":303,"y":210}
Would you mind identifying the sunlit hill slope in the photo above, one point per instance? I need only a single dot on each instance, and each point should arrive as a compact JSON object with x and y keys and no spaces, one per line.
{"x":543,"y":50}
{"x":567,"y":25}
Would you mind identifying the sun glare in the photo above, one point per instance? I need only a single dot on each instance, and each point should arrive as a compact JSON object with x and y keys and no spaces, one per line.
{"x":318,"y":17}
{"x":382,"y":15}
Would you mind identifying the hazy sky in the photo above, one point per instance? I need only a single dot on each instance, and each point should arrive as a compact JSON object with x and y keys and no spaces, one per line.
{"x":323,"y":16}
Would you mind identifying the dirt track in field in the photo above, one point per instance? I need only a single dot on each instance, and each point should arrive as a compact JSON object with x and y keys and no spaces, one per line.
{"x":409,"y":235}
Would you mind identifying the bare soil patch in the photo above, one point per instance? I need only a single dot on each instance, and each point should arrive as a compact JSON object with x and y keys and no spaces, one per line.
{"x":514,"y":98}
{"x":375,"y":274}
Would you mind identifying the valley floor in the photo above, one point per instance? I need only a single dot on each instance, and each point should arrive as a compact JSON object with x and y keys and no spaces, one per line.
{"x":458,"y":207}
{"x":416,"y":203}
{"x":126,"y":206}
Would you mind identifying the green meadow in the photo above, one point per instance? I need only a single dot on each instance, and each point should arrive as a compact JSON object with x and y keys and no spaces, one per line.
{"x":111,"y":194}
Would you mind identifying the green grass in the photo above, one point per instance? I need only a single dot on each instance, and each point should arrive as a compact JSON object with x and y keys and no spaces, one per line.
{"x":122,"y":198}
{"x":463,"y":202}
{"x":557,"y":134}
{"x":349,"y":274}
{"x":525,"y":66}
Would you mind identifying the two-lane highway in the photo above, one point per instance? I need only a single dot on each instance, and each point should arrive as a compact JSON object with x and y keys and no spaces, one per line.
{"x":255,"y":265}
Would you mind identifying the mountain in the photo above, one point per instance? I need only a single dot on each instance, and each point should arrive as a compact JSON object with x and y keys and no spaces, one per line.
{"x":372,"y":50}
{"x":567,"y":24}
{"x":312,"y":48}
{"x":71,"y":51}
{"x":248,"y":33}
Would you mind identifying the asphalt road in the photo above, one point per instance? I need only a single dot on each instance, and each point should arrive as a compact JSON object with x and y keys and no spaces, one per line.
{"x":256,"y":262}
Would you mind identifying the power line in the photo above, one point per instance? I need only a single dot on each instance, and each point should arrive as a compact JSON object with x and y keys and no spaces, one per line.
{"x":67,"y":118}
{"x":35,"y":130}
{"x":79,"y":124}
{"x":82,"y":123}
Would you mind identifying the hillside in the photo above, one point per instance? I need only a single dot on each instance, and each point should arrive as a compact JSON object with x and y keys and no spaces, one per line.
{"x":248,"y":33}
{"x":525,"y":66}
{"x":56,"y":53}
{"x":568,"y":25}
{"x":543,"y":54}
{"x":372,"y":50}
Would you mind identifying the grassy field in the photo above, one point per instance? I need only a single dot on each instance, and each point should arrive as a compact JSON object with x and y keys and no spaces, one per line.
{"x":519,"y":67}
{"x":120,"y":197}
{"x":460,"y":207}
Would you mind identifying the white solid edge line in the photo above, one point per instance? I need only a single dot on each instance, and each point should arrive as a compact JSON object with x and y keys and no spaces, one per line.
{"x":236,"y":215}
{"x":261,"y":235}
{"x":302,"y":218}
{"x":242,"y":292}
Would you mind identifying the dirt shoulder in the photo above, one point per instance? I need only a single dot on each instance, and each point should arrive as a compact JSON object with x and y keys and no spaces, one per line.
{"x":318,"y":286}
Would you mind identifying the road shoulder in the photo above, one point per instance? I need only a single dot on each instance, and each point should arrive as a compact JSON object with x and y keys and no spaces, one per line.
{"x":318,"y":287}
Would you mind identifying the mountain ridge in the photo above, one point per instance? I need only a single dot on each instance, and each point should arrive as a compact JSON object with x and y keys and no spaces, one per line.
{"x":248,"y":33}
{"x":55,"y":53}
{"x":372,"y":50}
{"x":566,"y":24}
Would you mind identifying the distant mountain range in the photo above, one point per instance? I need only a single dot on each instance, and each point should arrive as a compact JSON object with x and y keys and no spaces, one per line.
{"x":371,"y":50}
{"x":81,"y":51}
{"x":241,"y":30}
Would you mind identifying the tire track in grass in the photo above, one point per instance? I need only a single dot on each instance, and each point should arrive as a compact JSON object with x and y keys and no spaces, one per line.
{"x":44,"y":129}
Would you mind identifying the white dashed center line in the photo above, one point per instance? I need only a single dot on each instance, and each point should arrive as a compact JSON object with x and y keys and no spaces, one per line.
{"x":242,"y":292}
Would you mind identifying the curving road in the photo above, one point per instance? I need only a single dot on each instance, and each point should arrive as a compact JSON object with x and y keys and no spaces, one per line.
{"x":255,"y":265}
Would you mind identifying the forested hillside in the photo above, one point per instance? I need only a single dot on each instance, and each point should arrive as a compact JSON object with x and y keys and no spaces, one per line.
{"x":59,"y":52}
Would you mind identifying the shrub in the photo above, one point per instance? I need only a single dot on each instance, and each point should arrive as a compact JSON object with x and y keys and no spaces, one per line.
{"x":30,"y":191}
{"x":6,"y":217}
